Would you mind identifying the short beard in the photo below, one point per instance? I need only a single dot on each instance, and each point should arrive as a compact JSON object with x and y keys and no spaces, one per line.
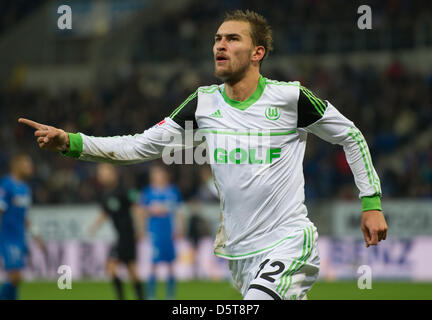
{"x":232,"y":77}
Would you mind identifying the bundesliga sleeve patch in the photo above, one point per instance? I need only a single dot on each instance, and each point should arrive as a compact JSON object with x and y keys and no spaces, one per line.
{"x":161,"y":123}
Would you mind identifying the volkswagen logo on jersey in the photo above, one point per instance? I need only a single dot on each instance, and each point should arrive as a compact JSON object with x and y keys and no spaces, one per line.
{"x":272,"y":113}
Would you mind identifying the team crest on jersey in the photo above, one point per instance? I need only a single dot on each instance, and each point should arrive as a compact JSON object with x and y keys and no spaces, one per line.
{"x":272,"y":113}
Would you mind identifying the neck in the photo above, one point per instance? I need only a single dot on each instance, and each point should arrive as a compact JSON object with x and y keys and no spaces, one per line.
{"x":16,"y":176}
{"x":160,"y":185}
{"x":242,"y":89}
{"x":111,"y":186}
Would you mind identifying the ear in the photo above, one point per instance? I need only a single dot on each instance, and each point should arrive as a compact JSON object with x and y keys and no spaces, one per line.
{"x":258,"y":54}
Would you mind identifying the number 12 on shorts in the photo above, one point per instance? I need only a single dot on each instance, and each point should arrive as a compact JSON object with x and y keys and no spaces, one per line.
{"x":279,"y":281}
{"x":268,"y":275}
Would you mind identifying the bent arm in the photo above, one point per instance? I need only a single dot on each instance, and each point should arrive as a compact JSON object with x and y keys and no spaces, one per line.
{"x":336,"y":129}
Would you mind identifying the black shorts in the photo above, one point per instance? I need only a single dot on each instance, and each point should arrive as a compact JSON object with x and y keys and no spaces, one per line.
{"x":124,"y":252}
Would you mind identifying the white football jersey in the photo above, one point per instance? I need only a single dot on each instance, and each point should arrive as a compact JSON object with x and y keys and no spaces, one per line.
{"x":256,"y":149}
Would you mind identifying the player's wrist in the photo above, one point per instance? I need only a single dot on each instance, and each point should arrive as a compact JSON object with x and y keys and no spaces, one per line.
{"x":74,"y":145}
{"x":66,"y":145}
{"x":371,"y":203}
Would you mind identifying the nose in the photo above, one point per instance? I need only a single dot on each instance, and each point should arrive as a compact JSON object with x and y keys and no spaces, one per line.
{"x":221,"y":45}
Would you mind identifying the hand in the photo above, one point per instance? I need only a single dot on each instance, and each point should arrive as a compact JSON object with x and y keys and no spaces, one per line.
{"x":49,"y":138}
{"x":374,"y":227}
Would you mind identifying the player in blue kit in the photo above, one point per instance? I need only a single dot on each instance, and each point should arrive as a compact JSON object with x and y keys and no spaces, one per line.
{"x":15,"y":199}
{"x":160,"y":202}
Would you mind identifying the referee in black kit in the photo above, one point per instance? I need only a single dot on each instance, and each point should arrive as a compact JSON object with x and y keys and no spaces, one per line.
{"x":117,"y":204}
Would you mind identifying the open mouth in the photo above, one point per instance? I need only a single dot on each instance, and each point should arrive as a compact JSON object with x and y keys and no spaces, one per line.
{"x":221,"y":58}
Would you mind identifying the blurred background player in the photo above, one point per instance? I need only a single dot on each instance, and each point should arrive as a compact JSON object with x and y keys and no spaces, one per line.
{"x":15,"y":199}
{"x":117,"y":204}
{"x":160,"y":202}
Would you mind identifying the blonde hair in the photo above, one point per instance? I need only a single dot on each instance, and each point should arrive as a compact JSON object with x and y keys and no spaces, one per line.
{"x":261,"y":32}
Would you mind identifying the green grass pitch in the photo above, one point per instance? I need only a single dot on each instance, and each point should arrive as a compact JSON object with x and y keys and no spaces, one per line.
{"x":209,"y":290}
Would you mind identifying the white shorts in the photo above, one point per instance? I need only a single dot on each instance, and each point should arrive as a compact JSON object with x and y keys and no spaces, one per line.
{"x":286,"y":272}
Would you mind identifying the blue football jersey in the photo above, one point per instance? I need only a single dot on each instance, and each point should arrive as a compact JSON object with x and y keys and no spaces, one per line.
{"x":15,"y":199}
{"x":170,"y":198}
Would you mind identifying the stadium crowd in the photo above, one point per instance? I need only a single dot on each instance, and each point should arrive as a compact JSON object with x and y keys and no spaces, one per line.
{"x":298,"y":26}
{"x":391,"y":107}
{"x":13,"y":11}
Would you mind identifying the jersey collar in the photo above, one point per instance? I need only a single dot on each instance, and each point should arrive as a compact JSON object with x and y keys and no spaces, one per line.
{"x":243,"y":105}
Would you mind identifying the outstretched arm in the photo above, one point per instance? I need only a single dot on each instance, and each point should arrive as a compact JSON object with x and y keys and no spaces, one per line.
{"x":325,"y":121}
{"x":166,"y":136}
{"x":149,"y":145}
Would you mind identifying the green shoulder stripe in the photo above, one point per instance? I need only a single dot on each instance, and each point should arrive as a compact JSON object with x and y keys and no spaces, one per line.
{"x":319,"y":105}
{"x":191,"y":97}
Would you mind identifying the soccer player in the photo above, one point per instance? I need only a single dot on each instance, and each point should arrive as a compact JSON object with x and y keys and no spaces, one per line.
{"x":256,"y":131}
{"x":160,"y":202}
{"x":117,"y":204}
{"x":15,"y":199}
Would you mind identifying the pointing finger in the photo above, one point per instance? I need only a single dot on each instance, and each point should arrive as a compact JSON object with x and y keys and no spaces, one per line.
{"x":31,"y":123}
